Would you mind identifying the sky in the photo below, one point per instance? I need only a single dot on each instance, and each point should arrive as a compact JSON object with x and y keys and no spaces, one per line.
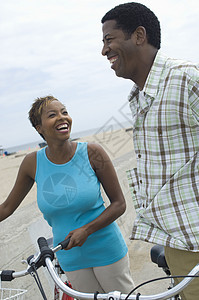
{"x":53,"y":47}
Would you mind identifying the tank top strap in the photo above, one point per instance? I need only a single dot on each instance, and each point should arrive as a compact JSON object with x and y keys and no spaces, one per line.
{"x":82,"y":151}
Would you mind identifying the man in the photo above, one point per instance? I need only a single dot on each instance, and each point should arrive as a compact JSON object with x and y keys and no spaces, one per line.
{"x":165,"y":110}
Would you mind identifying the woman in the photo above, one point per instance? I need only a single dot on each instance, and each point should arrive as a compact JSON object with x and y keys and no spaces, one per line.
{"x":68,"y":176}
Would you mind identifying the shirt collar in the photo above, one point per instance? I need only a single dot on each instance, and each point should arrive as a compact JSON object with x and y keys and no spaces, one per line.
{"x":152,"y":83}
{"x":153,"y":78}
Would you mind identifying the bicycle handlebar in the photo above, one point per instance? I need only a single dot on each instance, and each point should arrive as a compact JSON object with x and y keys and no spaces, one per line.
{"x":64,"y":243}
{"x":115,"y":295}
{"x":46,"y":256}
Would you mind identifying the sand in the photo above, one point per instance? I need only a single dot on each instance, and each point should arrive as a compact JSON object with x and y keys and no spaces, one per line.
{"x":20,"y":231}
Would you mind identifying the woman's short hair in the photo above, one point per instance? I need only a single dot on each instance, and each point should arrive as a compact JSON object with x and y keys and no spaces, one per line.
{"x":36,"y":110}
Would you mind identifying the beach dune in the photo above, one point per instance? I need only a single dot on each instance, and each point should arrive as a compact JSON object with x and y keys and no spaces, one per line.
{"x":20,"y":231}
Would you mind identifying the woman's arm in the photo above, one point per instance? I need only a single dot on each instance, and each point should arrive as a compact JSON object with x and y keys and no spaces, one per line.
{"x":23,"y":184}
{"x":106,"y":174}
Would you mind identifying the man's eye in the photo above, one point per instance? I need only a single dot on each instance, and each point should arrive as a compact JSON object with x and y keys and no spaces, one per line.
{"x":108,"y":39}
{"x":65,"y":112}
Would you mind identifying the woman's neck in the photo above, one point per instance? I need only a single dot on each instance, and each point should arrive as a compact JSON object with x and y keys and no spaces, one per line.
{"x":60,"y":154}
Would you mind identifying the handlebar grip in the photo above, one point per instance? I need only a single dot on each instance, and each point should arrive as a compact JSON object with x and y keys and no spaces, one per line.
{"x":64,"y":243}
{"x":6,"y":275}
{"x":45,"y":250}
{"x":42,"y":242}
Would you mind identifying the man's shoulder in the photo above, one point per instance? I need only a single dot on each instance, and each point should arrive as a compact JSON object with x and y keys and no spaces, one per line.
{"x":175,"y":65}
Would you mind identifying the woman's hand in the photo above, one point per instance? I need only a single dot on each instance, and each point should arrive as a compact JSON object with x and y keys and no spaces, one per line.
{"x":77,"y":237}
{"x":106,"y":174}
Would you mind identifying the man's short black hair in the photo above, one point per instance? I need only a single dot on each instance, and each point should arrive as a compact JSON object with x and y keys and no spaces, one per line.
{"x":129,"y":16}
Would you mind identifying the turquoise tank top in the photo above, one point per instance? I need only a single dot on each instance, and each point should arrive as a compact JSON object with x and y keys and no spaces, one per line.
{"x":69,"y":197}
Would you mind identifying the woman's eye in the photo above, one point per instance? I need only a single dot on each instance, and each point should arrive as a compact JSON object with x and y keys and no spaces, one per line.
{"x":51,"y":115}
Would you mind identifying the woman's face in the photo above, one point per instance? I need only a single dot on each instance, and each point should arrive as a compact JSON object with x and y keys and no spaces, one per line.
{"x":55,"y":122}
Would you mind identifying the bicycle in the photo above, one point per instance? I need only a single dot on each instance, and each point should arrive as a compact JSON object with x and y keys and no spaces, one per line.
{"x":57,"y":294}
{"x":45,"y":258}
{"x":158,"y":257}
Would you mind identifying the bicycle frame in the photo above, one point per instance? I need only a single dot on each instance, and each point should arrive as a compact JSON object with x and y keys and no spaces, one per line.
{"x":46,"y":256}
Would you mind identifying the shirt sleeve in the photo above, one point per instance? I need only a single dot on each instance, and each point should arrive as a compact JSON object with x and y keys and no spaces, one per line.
{"x":193,"y":90}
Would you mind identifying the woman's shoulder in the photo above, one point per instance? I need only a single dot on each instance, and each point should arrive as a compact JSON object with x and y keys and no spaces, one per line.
{"x":94,"y":149}
{"x":94,"y":146}
{"x":97,"y":155}
{"x":31,"y":156}
{"x":28,"y":164}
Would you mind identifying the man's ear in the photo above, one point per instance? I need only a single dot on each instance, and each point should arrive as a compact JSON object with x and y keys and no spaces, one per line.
{"x":140,"y":34}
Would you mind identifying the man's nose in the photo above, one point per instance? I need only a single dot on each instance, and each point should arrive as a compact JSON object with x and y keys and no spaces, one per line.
{"x":105,"y":50}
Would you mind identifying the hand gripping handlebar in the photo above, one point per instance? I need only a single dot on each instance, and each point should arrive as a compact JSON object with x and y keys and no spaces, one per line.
{"x":64,"y":243}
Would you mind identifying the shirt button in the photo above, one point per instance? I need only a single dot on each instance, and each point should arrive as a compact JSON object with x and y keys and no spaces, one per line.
{"x":134,"y":192}
{"x":139,"y":155}
{"x":140,"y":180}
{"x":143,"y":205}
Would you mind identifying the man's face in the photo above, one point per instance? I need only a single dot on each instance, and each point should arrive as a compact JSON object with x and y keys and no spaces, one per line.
{"x":120,"y":51}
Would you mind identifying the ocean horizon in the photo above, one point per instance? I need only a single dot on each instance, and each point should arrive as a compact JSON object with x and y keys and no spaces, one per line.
{"x":75,"y":135}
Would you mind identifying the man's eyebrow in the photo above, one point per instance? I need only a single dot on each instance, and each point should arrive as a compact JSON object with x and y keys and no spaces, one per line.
{"x":105,"y":37}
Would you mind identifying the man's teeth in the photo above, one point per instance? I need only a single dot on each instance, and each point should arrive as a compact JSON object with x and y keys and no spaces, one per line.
{"x":112,"y":60}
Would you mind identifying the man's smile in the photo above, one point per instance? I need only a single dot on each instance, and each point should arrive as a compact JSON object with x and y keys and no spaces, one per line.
{"x":113,"y":59}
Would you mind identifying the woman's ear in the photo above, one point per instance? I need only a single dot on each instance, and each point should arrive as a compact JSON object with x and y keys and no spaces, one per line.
{"x":140,"y":34}
{"x":38,"y":128}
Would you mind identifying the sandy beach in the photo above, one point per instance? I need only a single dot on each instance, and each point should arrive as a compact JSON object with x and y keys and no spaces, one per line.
{"x":20,"y":231}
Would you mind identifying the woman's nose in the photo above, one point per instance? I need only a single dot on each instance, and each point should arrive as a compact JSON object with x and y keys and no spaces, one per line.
{"x":61,"y":115}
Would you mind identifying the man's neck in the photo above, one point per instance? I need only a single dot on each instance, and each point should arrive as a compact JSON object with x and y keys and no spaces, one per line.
{"x":146,"y":64}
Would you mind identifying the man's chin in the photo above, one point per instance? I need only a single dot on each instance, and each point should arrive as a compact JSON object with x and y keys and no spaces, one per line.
{"x":118,"y":74}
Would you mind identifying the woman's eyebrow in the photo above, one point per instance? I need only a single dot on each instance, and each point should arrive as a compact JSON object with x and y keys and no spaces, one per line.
{"x":51,"y":110}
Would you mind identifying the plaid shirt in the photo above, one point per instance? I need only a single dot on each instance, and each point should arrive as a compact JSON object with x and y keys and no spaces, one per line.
{"x":165,"y":184}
